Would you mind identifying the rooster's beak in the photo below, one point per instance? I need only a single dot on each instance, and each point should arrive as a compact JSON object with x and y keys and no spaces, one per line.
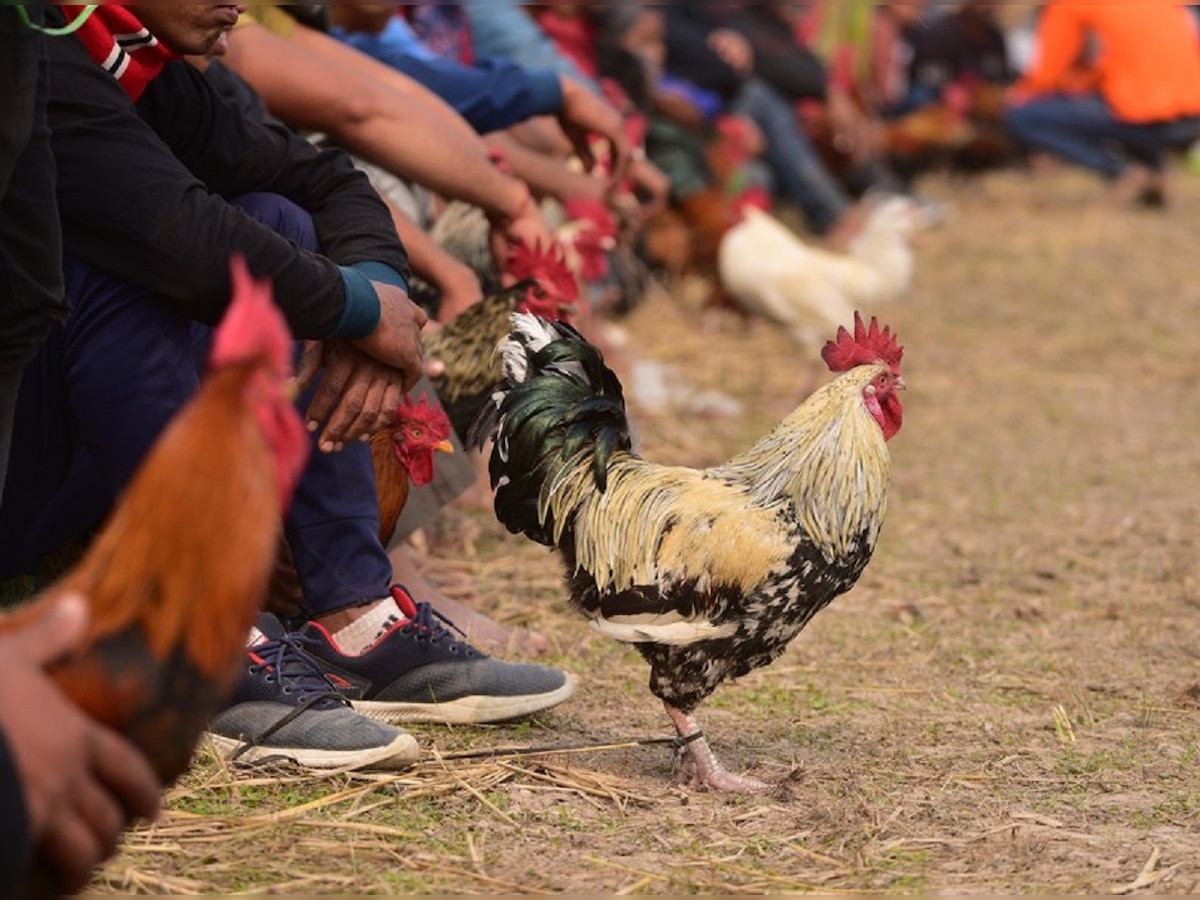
{"x":444,"y":446}
{"x":901,"y":384}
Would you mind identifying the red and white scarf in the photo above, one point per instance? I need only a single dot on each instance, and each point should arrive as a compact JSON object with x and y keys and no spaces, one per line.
{"x":122,"y":46}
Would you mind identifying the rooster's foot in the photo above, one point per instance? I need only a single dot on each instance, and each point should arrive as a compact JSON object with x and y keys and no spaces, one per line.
{"x":699,"y":766}
{"x":719,"y":778}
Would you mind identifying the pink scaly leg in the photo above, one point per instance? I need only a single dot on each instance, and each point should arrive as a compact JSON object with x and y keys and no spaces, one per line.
{"x":700,"y":764}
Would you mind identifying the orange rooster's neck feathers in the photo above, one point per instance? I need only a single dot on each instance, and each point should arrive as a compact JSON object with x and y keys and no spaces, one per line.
{"x":188,"y":548}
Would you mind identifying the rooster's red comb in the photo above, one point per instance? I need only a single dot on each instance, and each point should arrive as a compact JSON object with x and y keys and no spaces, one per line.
{"x":594,"y":211}
{"x":253,"y":327}
{"x":548,"y":265}
{"x":866,"y":346}
{"x":421,"y":410}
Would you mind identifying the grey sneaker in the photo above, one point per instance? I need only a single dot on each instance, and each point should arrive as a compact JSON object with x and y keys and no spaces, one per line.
{"x":419,"y":672}
{"x":284,"y":709}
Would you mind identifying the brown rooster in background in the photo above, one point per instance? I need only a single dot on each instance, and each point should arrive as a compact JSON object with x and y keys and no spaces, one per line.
{"x":403,"y":456}
{"x":709,"y":573}
{"x":176,"y":576}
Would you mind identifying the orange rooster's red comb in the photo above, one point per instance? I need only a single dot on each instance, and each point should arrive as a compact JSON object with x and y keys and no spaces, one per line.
{"x":867,"y":345}
{"x":253,"y":326}
{"x":421,"y":410}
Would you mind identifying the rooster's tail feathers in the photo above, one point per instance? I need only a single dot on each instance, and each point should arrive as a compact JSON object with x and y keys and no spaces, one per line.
{"x":558,"y":407}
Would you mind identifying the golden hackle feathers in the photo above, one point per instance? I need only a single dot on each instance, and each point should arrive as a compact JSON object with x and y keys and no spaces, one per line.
{"x":661,"y":524}
{"x":829,"y":458}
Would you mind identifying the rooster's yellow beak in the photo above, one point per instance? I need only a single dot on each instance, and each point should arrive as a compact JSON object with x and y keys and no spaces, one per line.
{"x":444,"y":446}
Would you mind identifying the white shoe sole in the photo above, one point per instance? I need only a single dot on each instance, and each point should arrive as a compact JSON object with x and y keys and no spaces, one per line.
{"x":469,"y":710}
{"x":399,"y":754}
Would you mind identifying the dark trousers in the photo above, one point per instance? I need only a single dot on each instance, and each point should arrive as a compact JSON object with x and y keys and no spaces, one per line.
{"x":1082,"y":129}
{"x":102,"y":388}
{"x":791,"y":156}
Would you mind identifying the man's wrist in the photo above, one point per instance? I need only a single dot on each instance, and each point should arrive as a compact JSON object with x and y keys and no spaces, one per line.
{"x":516,"y":204}
{"x":361,"y":312}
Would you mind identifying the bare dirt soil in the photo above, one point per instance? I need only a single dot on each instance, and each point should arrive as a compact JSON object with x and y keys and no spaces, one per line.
{"x":1009,"y":701}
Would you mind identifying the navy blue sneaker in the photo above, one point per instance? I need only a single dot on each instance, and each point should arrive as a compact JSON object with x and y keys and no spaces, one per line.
{"x":285,"y":710}
{"x":418,"y":671}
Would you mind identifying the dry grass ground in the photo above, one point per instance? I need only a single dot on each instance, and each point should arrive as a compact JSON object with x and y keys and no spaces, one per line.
{"x":1008,"y":702}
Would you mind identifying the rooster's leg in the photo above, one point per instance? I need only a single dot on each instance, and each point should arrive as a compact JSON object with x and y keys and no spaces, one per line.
{"x":700,"y":765}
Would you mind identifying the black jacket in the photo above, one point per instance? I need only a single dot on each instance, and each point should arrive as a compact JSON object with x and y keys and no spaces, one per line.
{"x":688,"y":55}
{"x":778,"y":60}
{"x":793,"y":70}
{"x":31,"y":287}
{"x":143,"y":193}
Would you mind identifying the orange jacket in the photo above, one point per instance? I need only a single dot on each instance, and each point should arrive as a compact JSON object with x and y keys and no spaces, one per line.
{"x":1147,"y":59}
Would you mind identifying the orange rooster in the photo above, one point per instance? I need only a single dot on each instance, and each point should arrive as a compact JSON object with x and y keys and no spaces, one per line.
{"x":709,"y":573}
{"x":403,"y":455}
{"x":176,"y":576}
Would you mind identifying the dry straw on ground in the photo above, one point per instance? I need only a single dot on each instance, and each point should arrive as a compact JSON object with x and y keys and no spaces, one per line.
{"x":1006,"y":702}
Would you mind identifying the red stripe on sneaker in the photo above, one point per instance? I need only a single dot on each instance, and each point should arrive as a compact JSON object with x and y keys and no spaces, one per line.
{"x":404,"y":601}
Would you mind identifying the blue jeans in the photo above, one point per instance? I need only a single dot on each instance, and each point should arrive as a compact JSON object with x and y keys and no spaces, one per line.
{"x":102,"y":388}
{"x":798,"y":170}
{"x":1083,"y":130}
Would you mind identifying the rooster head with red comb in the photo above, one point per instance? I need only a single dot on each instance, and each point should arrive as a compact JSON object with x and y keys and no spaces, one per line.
{"x":419,"y":430}
{"x":554,"y":287}
{"x":877,"y":347}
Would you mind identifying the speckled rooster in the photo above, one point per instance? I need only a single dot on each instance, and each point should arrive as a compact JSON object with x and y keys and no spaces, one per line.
{"x":709,"y":573}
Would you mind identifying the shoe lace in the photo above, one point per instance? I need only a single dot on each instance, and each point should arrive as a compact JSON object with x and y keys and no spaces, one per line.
{"x":435,"y":626}
{"x":297,"y":673}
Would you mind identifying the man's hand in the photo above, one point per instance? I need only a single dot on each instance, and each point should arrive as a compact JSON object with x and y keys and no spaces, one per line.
{"x":357,"y":395}
{"x":364,"y":379}
{"x":583,"y":115}
{"x":82,"y":783}
{"x":651,"y":186}
{"x":524,"y":223}
{"x":396,"y":340}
